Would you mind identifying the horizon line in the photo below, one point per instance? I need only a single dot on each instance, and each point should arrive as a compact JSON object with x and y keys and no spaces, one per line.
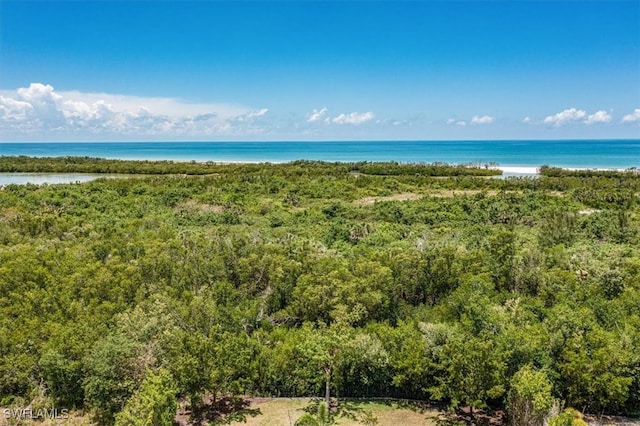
{"x":330,"y":140}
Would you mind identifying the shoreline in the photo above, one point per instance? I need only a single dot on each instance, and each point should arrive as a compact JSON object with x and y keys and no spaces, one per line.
{"x":40,"y":178}
{"x":529,"y":170}
{"x":510,"y":169}
{"x":517,"y":157}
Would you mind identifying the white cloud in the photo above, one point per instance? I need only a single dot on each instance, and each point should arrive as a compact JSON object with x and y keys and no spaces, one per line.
{"x":39,"y":108}
{"x":259,"y":113}
{"x":634,"y":116}
{"x":598,"y":117}
{"x":39,"y":103}
{"x":526,"y":120}
{"x":351,"y":118}
{"x":253,"y":115}
{"x":573,"y":115}
{"x":316,"y":115}
{"x":354,"y":118}
{"x":567,"y":116}
{"x":485,"y":119}
{"x":40,"y":96}
{"x":170,"y":107}
{"x":14,"y":110}
{"x":475,"y":120}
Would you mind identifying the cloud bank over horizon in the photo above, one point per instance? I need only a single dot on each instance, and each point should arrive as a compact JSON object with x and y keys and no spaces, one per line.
{"x":39,"y":109}
{"x":320,"y":115}
{"x":39,"y":112}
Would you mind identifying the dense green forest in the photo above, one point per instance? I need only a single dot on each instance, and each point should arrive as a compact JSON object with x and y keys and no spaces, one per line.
{"x":414,"y":281}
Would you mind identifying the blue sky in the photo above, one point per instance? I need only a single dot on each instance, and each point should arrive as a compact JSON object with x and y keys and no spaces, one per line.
{"x":319,"y":70}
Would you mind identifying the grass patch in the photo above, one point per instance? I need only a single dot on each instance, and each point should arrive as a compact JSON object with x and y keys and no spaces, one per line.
{"x":285,"y":412}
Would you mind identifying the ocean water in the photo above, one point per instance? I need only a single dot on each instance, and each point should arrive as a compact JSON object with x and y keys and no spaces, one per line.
{"x":509,"y":155}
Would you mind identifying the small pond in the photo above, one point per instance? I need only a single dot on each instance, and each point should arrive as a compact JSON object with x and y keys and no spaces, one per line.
{"x":53,"y":178}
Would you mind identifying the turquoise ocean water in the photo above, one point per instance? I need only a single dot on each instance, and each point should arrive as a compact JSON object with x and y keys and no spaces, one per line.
{"x":615,"y":154}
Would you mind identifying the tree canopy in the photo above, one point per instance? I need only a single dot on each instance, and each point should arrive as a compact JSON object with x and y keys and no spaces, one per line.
{"x":191,"y":281}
